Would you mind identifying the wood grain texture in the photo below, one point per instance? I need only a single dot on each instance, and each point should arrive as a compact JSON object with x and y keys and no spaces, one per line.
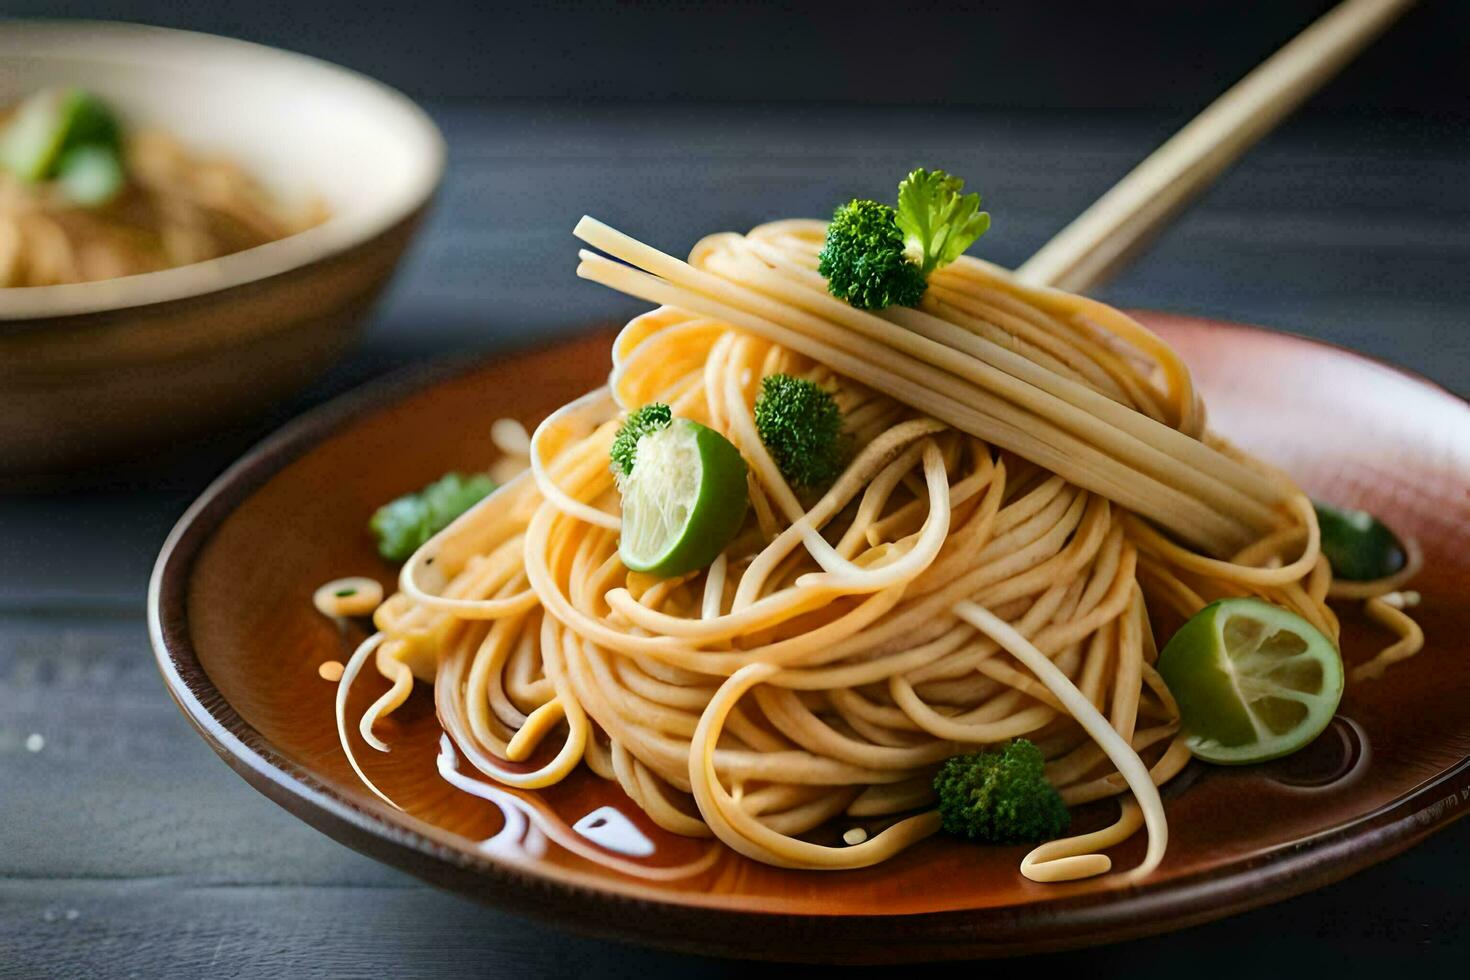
{"x":175,"y":868}
{"x":1351,"y":231}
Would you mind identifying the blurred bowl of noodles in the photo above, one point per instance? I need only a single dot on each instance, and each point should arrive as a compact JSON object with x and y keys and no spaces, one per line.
{"x":261,"y":201}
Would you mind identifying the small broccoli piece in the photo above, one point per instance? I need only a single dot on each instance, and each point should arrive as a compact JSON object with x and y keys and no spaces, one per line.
{"x":403,"y":525}
{"x":938,"y":222}
{"x":649,"y":418}
{"x":1000,"y":797}
{"x":863,"y":259}
{"x":801,"y":426}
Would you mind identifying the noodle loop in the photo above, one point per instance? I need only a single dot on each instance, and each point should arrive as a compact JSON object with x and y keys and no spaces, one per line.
{"x":1031,"y":483}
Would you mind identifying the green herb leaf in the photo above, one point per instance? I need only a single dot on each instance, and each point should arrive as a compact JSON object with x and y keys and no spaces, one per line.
{"x":403,"y":525}
{"x":937,"y":220}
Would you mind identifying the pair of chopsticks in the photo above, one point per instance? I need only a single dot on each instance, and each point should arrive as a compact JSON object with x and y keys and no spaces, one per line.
{"x":1110,"y":232}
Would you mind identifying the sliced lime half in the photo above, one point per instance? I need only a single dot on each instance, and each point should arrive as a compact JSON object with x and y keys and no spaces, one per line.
{"x":1253,"y":681}
{"x":684,"y":501}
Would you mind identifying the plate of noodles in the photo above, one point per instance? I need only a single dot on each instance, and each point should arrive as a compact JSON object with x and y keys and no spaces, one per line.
{"x":857,"y":602}
{"x":177,"y":201}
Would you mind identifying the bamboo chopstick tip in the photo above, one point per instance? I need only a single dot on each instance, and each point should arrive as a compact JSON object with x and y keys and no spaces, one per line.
{"x":585,"y":224}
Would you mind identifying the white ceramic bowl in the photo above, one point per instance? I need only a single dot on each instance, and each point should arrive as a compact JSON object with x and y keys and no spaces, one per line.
{"x":91,"y":370}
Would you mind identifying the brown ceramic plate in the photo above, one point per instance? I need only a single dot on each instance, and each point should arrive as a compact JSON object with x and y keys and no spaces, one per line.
{"x":239,"y":645}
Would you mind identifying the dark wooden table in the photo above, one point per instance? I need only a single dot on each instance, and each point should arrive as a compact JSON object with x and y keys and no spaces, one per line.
{"x":128,"y":849}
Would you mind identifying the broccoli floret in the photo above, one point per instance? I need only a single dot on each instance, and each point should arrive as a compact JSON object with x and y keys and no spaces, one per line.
{"x":863,"y":259}
{"x":1000,"y":797}
{"x":649,"y":418}
{"x":876,"y":257}
{"x":801,"y":426}
{"x":402,"y":525}
{"x":938,"y":221}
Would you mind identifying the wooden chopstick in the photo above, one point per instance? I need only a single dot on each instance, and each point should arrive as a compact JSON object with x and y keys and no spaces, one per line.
{"x":1101,"y":239}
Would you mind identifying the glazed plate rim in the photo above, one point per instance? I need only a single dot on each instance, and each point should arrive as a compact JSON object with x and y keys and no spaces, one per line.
{"x":691,"y":920}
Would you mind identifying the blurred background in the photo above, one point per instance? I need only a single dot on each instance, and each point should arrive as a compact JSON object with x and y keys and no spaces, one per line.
{"x":1350,"y":223}
{"x":1130,"y":54}
{"x":673,"y":119}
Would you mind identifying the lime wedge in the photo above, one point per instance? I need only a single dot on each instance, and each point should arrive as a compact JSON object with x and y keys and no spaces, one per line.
{"x":684,"y":501}
{"x":90,"y":175}
{"x":1253,"y":681}
{"x":1358,"y":546}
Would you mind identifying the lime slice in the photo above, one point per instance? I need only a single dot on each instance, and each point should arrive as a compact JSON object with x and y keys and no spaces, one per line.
{"x":684,"y":501}
{"x":1358,"y":546}
{"x":1253,"y":681}
{"x":90,"y":175}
